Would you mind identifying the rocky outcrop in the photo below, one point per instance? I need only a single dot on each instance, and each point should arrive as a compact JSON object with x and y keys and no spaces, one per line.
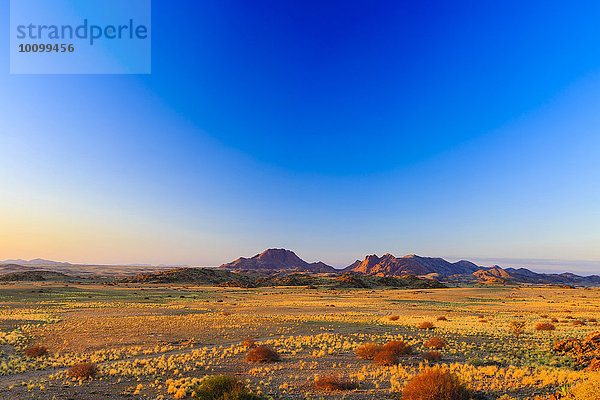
{"x":586,"y":352}
{"x":388,"y":265}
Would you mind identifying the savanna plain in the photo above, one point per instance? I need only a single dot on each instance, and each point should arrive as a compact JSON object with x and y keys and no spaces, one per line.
{"x":173,"y":341}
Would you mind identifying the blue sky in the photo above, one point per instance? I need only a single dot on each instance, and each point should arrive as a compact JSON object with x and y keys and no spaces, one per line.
{"x":462,"y":130}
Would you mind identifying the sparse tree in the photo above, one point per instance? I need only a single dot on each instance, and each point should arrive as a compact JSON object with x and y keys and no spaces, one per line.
{"x":517,"y":328}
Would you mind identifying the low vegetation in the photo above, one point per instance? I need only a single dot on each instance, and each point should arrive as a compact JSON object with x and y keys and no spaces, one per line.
{"x":221,"y":387}
{"x":435,"y":384}
{"x":83,"y":370}
{"x":262,"y":354}
{"x":333,"y":383}
{"x":36,"y":351}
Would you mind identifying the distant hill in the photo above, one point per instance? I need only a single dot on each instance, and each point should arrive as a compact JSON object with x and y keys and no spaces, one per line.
{"x":220,"y":277}
{"x":388,"y":265}
{"x":35,"y":262}
{"x":276,"y":260}
{"x":35,"y":276}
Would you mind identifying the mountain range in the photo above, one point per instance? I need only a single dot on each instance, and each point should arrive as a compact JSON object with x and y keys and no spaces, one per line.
{"x":286,"y":261}
{"x":390,"y":266}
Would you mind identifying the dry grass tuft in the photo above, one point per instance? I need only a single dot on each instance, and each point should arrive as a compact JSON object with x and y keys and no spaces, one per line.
{"x":36,"y":351}
{"x":83,"y":370}
{"x":554,"y":320}
{"x":432,"y":356}
{"x":578,"y":322}
{"x":435,"y":383}
{"x":442,"y":318}
{"x":262,"y":354}
{"x":426,"y":325}
{"x":394,"y":317}
{"x":436,"y":343}
{"x":333,"y":383}
{"x":545,"y":326}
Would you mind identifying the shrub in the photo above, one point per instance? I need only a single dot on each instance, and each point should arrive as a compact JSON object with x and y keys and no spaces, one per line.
{"x":83,"y":370}
{"x":36,"y":351}
{"x":426,"y":325}
{"x":262,"y":354}
{"x":435,"y":384}
{"x":386,"y":357}
{"x":578,"y":322}
{"x":545,"y":326}
{"x":249,"y":343}
{"x":432,"y":356}
{"x":436,"y":343}
{"x":394,"y":317}
{"x":442,"y":318}
{"x":554,"y":320}
{"x":398,"y":347}
{"x":480,"y":316}
{"x":221,"y":387}
{"x":368,"y":351}
{"x":332,"y":383}
{"x":592,"y":320}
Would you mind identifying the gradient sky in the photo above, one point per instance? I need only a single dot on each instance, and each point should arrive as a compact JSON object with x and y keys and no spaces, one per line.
{"x":466,"y":129}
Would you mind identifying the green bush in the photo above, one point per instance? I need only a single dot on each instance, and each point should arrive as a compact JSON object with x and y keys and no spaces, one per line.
{"x":220,"y":387}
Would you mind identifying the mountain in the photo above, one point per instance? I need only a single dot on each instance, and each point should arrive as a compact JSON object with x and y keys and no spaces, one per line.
{"x":494,"y":275}
{"x":34,"y":262}
{"x":275,"y":260}
{"x":526,"y":276}
{"x":388,"y":265}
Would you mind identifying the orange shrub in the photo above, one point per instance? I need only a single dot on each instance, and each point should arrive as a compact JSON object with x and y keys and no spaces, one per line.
{"x":262,"y":354}
{"x":432,"y":356}
{"x":36,"y":351}
{"x":368,"y":351}
{"x":544,"y":326}
{"x":394,"y":317}
{"x":249,"y":343}
{"x":386,"y":357}
{"x":435,"y":384}
{"x":578,"y":322}
{"x":442,"y":318}
{"x":332,"y":383}
{"x":554,"y":320}
{"x":436,"y":343}
{"x":398,"y":347}
{"x":83,"y":370}
{"x":426,"y":325}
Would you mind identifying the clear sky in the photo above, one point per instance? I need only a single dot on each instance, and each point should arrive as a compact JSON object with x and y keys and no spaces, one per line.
{"x":464,"y":129}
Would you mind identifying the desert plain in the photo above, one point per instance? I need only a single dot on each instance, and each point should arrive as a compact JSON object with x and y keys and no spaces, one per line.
{"x":161,"y":341}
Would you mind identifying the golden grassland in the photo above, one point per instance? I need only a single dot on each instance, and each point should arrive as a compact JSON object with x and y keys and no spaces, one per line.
{"x":159,"y":341}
